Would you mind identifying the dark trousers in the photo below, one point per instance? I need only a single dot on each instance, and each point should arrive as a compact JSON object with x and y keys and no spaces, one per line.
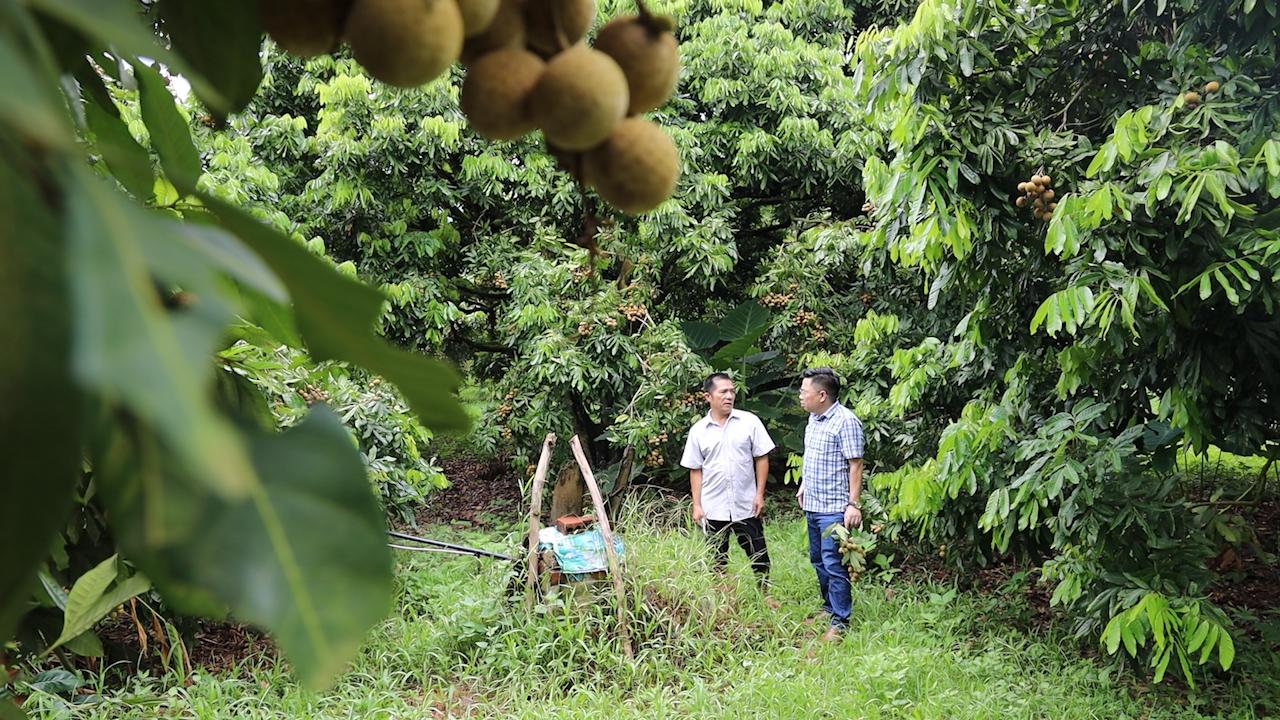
{"x":750,"y":534}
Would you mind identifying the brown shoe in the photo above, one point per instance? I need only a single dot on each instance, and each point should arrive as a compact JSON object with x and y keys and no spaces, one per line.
{"x":832,"y":635}
{"x":771,"y":603}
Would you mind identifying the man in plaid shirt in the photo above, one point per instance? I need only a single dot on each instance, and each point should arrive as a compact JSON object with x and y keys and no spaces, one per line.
{"x":830,"y":487}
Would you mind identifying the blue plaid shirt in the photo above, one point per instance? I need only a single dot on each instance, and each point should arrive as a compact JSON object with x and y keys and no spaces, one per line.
{"x":830,"y":441}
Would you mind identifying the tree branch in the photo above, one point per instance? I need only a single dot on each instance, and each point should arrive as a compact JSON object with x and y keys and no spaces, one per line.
{"x":485,"y":346}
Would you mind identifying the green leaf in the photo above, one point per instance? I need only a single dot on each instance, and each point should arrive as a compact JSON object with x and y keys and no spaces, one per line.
{"x":1056,"y":240}
{"x":1161,"y":664}
{"x":744,"y":320}
{"x":26,"y":101}
{"x":1206,"y":289}
{"x":966,"y":60}
{"x":1227,"y":288}
{"x":221,"y":41}
{"x":1103,"y":161}
{"x":170,"y":135}
{"x":9,"y":711}
{"x":1271,"y":153}
{"x":90,"y":600}
{"x":1130,"y":639}
{"x":87,"y":590}
{"x":126,"y":347}
{"x":1043,"y":313}
{"x":1111,"y":634}
{"x":700,"y":335}
{"x":1189,"y":200}
{"x":86,"y":644}
{"x":336,"y":315}
{"x":125,"y":158}
{"x":1210,"y":642}
{"x":40,"y":405}
{"x":57,"y":596}
{"x":1226,"y":650}
{"x":304,"y":556}
{"x":119,"y":24}
{"x":56,"y":682}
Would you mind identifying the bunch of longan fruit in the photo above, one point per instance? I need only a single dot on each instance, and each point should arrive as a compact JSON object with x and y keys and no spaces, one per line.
{"x":1192,"y":98}
{"x":528,"y":68}
{"x":853,"y":546}
{"x":1037,"y":193}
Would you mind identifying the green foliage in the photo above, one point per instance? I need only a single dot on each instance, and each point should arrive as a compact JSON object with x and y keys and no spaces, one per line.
{"x":95,"y":594}
{"x":1143,"y":315}
{"x":126,"y":275}
{"x":571,"y":339}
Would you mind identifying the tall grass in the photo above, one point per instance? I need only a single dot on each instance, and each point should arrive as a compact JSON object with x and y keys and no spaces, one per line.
{"x":706,"y":647}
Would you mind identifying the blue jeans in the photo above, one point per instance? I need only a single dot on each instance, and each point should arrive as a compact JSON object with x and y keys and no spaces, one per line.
{"x":833,"y":578}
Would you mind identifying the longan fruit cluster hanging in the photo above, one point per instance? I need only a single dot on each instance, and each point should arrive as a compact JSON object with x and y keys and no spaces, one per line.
{"x":1038,"y":193}
{"x":528,"y":68}
{"x":1193,"y":98}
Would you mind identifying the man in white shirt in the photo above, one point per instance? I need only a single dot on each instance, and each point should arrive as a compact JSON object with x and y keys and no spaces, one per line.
{"x":727,"y":454}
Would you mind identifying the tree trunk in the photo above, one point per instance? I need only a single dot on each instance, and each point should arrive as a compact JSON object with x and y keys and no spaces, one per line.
{"x":620,"y":485}
{"x":567,"y":495}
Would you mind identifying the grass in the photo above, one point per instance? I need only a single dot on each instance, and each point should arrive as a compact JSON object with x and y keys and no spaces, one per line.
{"x":706,"y":648}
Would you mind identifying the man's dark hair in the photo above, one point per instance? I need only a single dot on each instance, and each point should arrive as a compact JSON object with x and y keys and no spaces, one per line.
{"x":710,"y":383}
{"x":824,"y":379}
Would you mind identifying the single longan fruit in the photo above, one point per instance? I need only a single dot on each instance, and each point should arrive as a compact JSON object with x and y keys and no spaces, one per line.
{"x":1049,"y":194}
{"x":405,"y":42}
{"x":646,"y":51}
{"x":476,"y":15}
{"x":1211,"y":86}
{"x":304,"y":28}
{"x":1192,"y":98}
{"x":1020,"y":202}
{"x":495,"y":94}
{"x":636,"y":169}
{"x":580,"y":98}
{"x":543,"y":17}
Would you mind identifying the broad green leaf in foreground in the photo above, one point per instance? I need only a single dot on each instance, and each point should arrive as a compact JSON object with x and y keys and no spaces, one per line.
{"x":303,"y":556}
{"x":336,"y":315}
{"x":119,"y":24}
{"x":9,"y":711}
{"x":126,"y":349}
{"x":221,"y":40}
{"x":127,"y":160}
{"x":39,"y":403}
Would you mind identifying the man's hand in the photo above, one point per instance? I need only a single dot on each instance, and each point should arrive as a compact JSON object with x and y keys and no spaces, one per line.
{"x":800,"y":497}
{"x":757,"y":506}
{"x":698,"y":515}
{"x":852,"y":517}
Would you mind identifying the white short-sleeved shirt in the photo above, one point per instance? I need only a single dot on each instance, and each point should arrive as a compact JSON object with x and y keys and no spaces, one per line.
{"x":726,"y":455}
